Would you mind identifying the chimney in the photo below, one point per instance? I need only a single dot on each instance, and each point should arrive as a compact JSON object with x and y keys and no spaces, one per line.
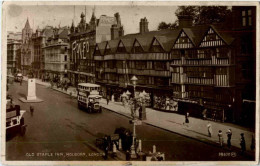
{"x":185,"y":21}
{"x":143,"y":25}
{"x":121,"y":31}
{"x":114,"y":32}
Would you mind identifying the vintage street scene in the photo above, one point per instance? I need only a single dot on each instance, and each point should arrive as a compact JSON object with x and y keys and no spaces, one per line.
{"x":96,"y":82}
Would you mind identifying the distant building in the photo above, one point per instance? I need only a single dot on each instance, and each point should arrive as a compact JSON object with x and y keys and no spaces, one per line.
{"x":187,"y":69}
{"x":38,"y":41}
{"x":82,"y":43}
{"x":56,"y":54}
{"x":13,"y":45}
{"x":26,"y":54}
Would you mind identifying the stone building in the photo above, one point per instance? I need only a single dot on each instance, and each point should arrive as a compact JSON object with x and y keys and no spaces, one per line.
{"x":14,"y":41}
{"x":38,"y":41}
{"x":56,"y":54}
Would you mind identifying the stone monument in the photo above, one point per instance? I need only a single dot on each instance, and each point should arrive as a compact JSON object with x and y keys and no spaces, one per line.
{"x":31,"y":93}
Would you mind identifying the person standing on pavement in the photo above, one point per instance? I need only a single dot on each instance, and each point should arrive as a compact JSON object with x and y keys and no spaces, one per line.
{"x":242,"y":143}
{"x":220,"y":138}
{"x":229,"y":135}
{"x":209,"y":129}
{"x":187,"y":119}
{"x":107,"y":100}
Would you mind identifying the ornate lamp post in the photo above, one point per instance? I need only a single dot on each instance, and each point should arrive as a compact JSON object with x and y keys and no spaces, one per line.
{"x":133,"y":153}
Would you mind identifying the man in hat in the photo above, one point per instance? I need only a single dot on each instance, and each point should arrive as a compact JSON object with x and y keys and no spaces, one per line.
{"x":229,"y":134}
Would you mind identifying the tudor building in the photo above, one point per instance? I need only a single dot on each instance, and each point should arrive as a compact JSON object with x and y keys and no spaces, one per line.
{"x":191,"y":68}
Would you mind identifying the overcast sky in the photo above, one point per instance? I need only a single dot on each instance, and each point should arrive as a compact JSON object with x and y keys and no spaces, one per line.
{"x":55,"y":14}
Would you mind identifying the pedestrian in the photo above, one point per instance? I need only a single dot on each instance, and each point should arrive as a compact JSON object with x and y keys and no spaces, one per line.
{"x":253,"y":142}
{"x":220,"y":138}
{"x":242,"y":143}
{"x":31,"y":110}
{"x":187,"y":119}
{"x":204,"y":114}
{"x":107,"y":100}
{"x":229,"y":134}
{"x":209,"y":129}
{"x":106,"y":147}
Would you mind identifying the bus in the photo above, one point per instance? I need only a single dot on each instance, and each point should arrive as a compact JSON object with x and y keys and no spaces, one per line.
{"x":88,"y":97}
{"x":14,"y":120}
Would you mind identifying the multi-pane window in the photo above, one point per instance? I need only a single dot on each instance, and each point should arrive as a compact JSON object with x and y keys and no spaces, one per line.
{"x":141,"y":65}
{"x":246,"y":17}
{"x":160,"y":65}
{"x":205,"y":72}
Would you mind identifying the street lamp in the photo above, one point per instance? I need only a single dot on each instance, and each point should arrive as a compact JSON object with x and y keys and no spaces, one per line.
{"x":134,"y":80}
{"x":133,"y":153}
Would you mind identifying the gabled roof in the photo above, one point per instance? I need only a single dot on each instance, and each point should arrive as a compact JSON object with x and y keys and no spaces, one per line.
{"x":145,"y":42}
{"x":113,"y":45}
{"x":221,"y":30}
{"x":196,"y":33}
{"x":128,"y":43}
{"x":102,"y":46}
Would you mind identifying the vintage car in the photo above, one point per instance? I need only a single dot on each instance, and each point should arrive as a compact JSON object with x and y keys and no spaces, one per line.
{"x":18,"y":77}
{"x":14,"y":120}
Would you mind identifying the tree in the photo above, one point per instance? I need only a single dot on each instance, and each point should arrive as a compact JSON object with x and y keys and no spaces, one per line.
{"x":205,"y":14}
{"x":199,"y":15}
{"x":164,"y":25}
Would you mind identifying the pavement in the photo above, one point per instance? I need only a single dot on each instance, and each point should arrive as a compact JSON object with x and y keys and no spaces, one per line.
{"x":173,"y":122}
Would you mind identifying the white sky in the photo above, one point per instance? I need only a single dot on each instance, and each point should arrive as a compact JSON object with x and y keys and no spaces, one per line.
{"x":53,"y":14}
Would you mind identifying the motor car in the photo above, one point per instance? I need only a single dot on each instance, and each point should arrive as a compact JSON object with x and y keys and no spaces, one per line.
{"x":18,"y":77}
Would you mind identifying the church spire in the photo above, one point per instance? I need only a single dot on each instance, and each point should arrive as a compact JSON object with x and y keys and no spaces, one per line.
{"x":27,"y":25}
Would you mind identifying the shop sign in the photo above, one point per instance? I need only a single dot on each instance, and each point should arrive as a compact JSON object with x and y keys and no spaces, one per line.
{"x":80,"y":48}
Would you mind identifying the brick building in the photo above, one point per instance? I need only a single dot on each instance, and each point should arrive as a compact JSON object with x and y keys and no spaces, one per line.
{"x":82,"y":43}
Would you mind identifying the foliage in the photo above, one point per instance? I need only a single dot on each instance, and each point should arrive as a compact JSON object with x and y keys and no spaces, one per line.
{"x":199,"y":15}
{"x":164,"y":25}
{"x":205,"y":14}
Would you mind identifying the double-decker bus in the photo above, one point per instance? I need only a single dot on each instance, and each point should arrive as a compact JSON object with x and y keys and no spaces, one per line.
{"x":88,"y":97}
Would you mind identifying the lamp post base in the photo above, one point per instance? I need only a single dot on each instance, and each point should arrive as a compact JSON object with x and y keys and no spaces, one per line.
{"x":132,"y":153}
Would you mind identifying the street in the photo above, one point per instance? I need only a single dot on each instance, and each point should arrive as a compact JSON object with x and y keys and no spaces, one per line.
{"x":58,"y":130}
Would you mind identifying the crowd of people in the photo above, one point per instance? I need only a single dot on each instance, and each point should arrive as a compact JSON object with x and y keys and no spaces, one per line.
{"x":229,"y":136}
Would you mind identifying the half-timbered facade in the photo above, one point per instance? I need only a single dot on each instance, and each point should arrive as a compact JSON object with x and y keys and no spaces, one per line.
{"x":189,"y":69}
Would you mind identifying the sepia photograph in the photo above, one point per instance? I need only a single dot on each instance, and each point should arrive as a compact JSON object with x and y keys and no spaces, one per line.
{"x":129,"y":83}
